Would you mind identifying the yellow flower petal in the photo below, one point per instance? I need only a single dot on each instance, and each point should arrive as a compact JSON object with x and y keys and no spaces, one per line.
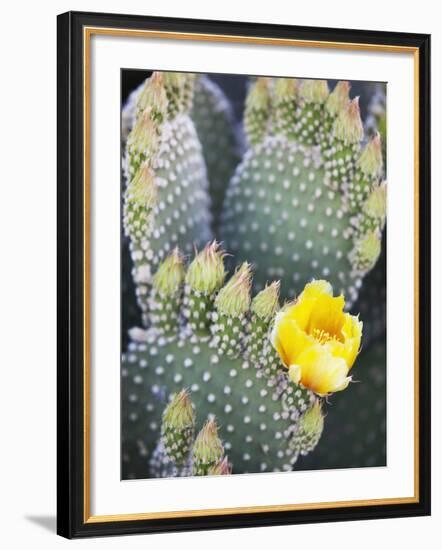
{"x":321,"y":372}
{"x":316,"y":288}
{"x":289,"y":340}
{"x":352,"y":332}
{"x":352,"y":327}
{"x":301,"y":311}
{"x":327,"y":316}
{"x":350,"y":345}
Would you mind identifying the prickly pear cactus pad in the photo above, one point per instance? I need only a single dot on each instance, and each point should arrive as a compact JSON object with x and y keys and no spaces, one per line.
{"x":166,"y":201}
{"x":253,"y":265}
{"x":298,"y":203}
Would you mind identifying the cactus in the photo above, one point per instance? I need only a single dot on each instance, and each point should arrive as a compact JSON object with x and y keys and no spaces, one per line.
{"x":213,"y":118}
{"x":205,"y":390}
{"x":215,"y":126}
{"x":169,"y":109}
{"x":297,"y":204}
{"x":178,"y":427}
{"x":377,"y":117}
{"x":208,"y":450}
{"x":178,"y":452}
{"x":224,"y":362}
{"x":256,"y":406}
{"x":166,"y":201}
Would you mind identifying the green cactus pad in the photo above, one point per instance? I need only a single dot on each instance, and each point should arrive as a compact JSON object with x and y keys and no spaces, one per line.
{"x":255,"y":425}
{"x":279,"y":212}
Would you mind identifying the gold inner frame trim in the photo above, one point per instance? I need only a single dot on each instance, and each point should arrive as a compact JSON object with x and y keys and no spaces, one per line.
{"x":88,"y":32}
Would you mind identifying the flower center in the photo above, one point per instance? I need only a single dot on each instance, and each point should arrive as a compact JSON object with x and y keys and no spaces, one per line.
{"x":322,"y":336}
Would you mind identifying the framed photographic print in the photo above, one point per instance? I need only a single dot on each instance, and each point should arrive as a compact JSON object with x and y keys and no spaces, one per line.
{"x":239,"y":342}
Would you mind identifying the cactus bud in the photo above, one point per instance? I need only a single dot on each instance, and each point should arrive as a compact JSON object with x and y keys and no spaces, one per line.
{"x":165,"y":299}
{"x":173,"y":80}
{"x":234,"y":298}
{"x":366,"y":251}
{"x":188,"y":90}
{"x":368,"y":169}
{"x":266,"y":303}
{"x":338,"y":99}
{"x":259,"y":97}
{"x":341,"y":149}
{"x":372,"y":214}
{"x":310,"y":113}
{"x":370,"y":162}
{"x":153,"y":95}
{"x":206,"y":273}
{"x":376,"y":204}
{"x":144,"y":135}
{"x":204,"y":277}
{"x":175,"y":91}
{"x":348,"y":126}
{"x":285,"y":95}
{"x":314,"y":91}
{"x":139,"y":200}
{"x":222,"y":468}
{"x":284,"y":89}
{"x":232,"y":305}
{"x":310,"y":427}
{"x":178,"y":426}
{"x":257,"y":110}
{"x":264,"y":307}
{"x":143,"y":141}
{"x":180,"y":413}
{"x":312,"y":421}
{"x":207,"y":450}
{"x":142,"y":189}
{"x":170,"y":275}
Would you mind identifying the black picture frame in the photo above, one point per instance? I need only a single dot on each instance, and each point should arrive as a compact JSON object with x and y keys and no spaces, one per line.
{"x":72,"y":520}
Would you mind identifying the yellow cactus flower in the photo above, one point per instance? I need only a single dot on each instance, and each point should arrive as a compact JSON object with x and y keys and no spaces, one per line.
{"x":316,"y":340}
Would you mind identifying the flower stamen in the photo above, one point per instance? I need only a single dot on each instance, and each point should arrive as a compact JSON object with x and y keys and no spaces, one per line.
{"x":322,"y":336}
